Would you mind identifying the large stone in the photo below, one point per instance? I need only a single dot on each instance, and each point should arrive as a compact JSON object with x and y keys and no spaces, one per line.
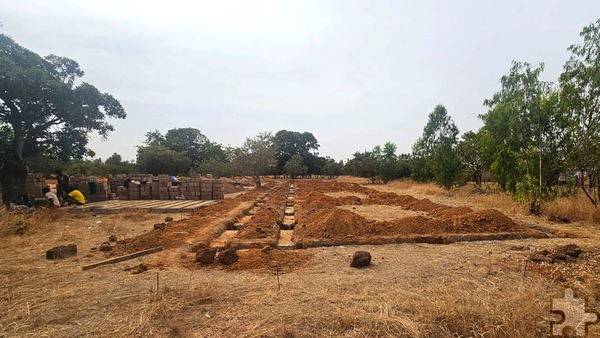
{"x":105,"y":247}
{"x":206,"y":255}
{"x":62,"y":251}
{"x":572,"y":250}
{"x":361,"y":259}
{"x":228,"y":256}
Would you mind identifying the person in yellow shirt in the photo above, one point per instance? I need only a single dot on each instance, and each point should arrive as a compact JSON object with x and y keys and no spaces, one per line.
{"x":74,"y":196}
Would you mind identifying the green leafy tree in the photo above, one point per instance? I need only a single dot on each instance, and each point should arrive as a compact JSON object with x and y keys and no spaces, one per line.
{"x":255,"y":157}
{"x":521,"y":127}
{"x":289,"y":143}
{"x":217,"y":167}
{"x":471,"y":157}
{"x":435,"y":154}
{"x":44,"y":109}
{"x":162,"y":160}
{"x":196,"y":146}
{"x":114,"y":159}
{"x":363,"y":164}
{"x":388,"y":166}
{"x":580,"y":96}
{"x":295,"y":166}
{"x":332,"y":169}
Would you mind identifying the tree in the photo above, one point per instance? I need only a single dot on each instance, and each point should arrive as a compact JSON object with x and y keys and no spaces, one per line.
{"x":256,"y":157}
{"x":435,"y":154}
{"x":388,"y":166}
{"x":196,"y":146}
{"x":520,"y":127}
{"x":295,"y":166}
{"x":289,"y":143}
{"x":364,"y":164}
{"x":470,"y":152}
{"x":216,"y":167}
{"x":44,"y":109}
{"x":114,"y":159}
{"x":580,"y":96}
{"x":332,"y":169}
{"x":162,"y":160}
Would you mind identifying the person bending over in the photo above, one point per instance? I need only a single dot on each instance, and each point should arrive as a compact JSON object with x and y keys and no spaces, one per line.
{"x":74,"y":196}
{"x":52,"y":198}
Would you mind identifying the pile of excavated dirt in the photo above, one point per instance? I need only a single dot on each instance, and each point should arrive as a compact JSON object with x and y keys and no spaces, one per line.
{"x":258,"y":261}
{"x":202,"y":226}
{"x":263,"y":227}
{"x":229,"y":188}
{"x":320,"y":222}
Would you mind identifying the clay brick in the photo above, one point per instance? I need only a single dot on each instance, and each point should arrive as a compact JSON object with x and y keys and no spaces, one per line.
{"x":61,"y":252}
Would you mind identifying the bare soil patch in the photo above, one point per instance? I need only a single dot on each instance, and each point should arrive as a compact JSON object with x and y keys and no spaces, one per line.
{"x":346,"y":193}
{"x":381,"y":212}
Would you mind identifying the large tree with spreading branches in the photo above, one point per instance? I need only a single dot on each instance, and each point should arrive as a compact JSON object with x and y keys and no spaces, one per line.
{"x":45,"y":108}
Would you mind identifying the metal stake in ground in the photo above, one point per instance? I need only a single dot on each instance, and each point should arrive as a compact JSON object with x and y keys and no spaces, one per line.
{"x":277,"y":273}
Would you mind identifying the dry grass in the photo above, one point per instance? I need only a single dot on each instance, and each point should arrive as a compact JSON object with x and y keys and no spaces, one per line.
{"x":572,"y":208}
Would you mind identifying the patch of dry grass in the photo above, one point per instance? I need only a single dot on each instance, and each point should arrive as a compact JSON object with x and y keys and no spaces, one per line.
{"x":36,"y":221}
{"x":572,"y":208}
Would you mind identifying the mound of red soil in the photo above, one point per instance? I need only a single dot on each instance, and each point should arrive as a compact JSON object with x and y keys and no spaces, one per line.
{"x":321,"y":223}
{"x":258,"y":261}
{"x":198,"y":228}
{"x":449,"y":212}
{"x":488,"y":220}
{"x":263,"y":227}
{"x":229,"y":188}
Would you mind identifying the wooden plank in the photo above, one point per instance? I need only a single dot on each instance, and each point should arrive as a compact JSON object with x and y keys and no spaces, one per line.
{"x":122,"y":258}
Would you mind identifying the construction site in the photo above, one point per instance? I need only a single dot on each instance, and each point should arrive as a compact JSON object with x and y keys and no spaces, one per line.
{"x":276,"y":262}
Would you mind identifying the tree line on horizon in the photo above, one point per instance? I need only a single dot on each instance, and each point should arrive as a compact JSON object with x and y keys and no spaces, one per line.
{"x":536,"y":134}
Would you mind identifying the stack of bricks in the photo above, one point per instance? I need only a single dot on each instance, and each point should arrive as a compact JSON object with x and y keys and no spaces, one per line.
{"x":164,"y":183}
{"x":34,"y":184}
{"x":217,"y":189}
{"x":206,"y":189}
{"x":87,"y":185}
{"x":116,"y":181}
{"x":133,"y":191}
{"x":122,"y":193}
{"x":145,"y":190}
{"x":190,"y":187}
{"x":151,"y":187}
{"x":154,"y":185}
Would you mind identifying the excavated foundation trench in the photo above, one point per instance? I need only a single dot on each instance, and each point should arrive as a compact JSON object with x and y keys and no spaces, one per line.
{"x":310,"y":213}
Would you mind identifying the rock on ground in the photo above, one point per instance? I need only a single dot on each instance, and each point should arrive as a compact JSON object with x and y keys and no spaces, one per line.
{"x":361,"y":259}
{"x":206,"y":255}
{"x":228,"y":256}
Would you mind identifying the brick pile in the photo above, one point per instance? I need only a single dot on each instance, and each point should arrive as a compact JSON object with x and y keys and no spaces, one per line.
{"x":93,"y":189}
{"x":194,"y":187}
{"x":34,"y":184}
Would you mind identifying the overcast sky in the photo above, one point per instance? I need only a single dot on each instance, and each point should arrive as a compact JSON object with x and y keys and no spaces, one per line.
{"x":353,"y":73}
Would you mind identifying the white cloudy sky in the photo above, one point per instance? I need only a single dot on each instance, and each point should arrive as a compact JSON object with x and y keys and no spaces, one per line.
{"x":354,"y":73}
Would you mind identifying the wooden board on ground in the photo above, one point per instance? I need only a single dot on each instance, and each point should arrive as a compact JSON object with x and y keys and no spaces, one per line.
{"x":154,"y":206}
{"x":122,"y":258}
